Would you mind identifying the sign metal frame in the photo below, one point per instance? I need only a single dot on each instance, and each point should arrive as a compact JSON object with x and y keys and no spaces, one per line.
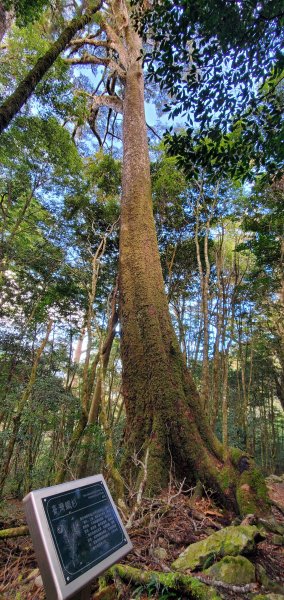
{"x":44,"y":539}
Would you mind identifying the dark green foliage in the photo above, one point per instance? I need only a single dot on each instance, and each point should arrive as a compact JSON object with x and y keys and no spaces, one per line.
{"x":26,"y":11}
{"x":219,"y":50}
{"x":39,"y":163}
{"x":264,"y":219}
{"x":12,"y":105}
{"x":41,"y":151}
{"x":104,"y":173}
{"x":252,"y":144}
{"x":222,"y":65}
{"x":154,"y":590}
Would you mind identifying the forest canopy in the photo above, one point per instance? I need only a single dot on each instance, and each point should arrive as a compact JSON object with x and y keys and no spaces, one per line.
{"x":142,"y":298}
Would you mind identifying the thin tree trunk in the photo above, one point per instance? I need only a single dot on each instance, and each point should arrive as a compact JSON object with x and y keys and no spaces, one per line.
{"x":111,"y":468}
{"x":88,"y":377}
{"x":104,"y":356}
{"x":216,"y":383}
{"x":273,"y":433}
{"x":21,"y":405}
{"x":248,"y":440}
{"x":179,"y":314}
{"x":204,"y":285}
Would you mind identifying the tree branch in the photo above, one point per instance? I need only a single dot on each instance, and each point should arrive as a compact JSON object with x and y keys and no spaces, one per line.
{"x":14,"y":103}
{"x":154,"y":132}
{"x":14,"y":532}
{"x":116,"y":42}
{"x":88,"y":59}
{"x":78,"y":42}
{"x":92,"y":123}
{"x":109,"y":101}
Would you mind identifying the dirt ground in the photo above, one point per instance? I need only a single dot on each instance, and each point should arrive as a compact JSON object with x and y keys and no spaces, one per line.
{"x":162,"y":529}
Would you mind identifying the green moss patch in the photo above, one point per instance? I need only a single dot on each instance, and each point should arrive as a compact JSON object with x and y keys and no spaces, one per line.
{"x":252,"y":496}
{"x":234,"y":570}
{"x":230,"y":541}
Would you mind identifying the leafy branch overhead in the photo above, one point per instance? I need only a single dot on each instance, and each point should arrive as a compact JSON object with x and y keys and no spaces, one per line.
{"x":222,"y":65}
{"x":26,"y":11}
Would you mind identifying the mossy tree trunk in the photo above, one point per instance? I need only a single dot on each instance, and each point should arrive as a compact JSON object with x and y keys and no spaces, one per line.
{"x":162,"y":404}
{"x":2,"y":21}
{"x":164,"y":412}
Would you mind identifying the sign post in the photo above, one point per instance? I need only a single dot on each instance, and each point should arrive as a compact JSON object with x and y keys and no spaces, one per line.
{"x":77,"y":534}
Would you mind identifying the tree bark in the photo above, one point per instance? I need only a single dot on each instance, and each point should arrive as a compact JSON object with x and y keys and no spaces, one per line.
{"x":216,"y":383}
{"x":162,"y":404}
{"x":14,"y":103}
{"x":163,"y":408}
{"x":6,"y":18}
{"x":164,"y":413}
{"x":2,"y":21}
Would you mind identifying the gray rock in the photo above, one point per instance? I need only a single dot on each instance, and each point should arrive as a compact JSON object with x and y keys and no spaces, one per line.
{"x":272,"y":525}
{"x":38,"y":582}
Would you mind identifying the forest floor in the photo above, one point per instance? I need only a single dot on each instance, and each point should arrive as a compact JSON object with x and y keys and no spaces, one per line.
{"x":162,"y":529}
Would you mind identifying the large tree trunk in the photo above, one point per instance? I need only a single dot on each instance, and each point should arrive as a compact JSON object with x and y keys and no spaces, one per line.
{"x":165,"y":417}
{"x":163,"y":408}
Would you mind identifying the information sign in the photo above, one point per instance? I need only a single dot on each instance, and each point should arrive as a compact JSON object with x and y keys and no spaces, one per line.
{"x":77,"y":534}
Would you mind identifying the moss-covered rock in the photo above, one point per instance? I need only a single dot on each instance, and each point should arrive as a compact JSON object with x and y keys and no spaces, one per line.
{"x":272,"y":525}
{"x":234,"y":570}
{"x":277,"y":540}
{"x":252,"y":495}
{"x":160,"y":553}
{"x":261,"y":576}
{"x":230,"y":541}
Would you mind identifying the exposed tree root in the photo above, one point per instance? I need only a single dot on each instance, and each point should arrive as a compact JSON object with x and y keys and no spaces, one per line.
{"x":107,"y":593}
{"x":241,"y":589}
{"x":175,"y":581}
{"x":14,"y":532}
